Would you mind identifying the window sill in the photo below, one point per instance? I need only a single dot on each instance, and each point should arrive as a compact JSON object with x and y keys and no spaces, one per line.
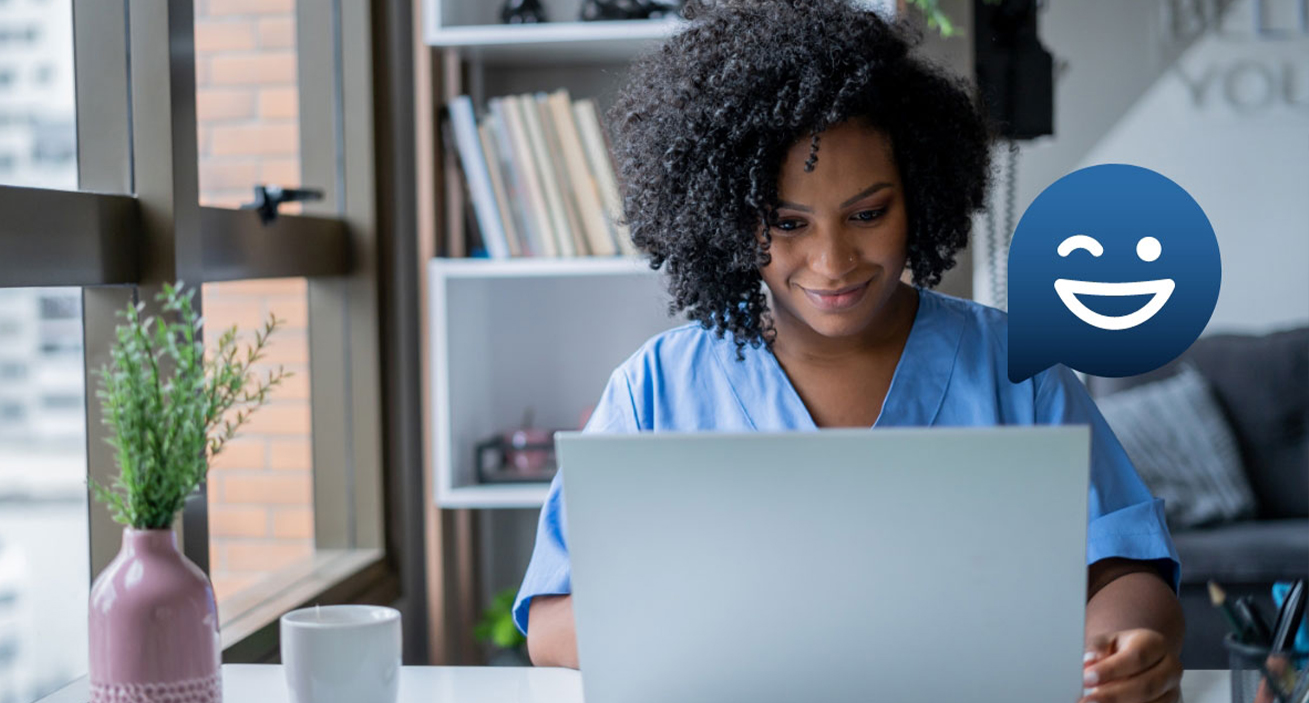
{"x":329,"y":576}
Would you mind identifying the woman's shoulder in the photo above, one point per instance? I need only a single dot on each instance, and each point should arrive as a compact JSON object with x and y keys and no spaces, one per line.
{"x":978,"y":323}
{"x":676,"y":381}
{"x":984,"y":342}
{"x":680,"y":347}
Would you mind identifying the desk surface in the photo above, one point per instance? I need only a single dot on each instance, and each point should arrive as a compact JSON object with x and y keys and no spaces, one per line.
{"x":263,"y":683}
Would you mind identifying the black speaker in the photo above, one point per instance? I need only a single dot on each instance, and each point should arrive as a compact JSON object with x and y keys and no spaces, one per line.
{"x":1015,"y":74}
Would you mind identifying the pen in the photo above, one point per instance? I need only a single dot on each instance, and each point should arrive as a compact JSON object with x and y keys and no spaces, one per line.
{"x":1240,"y":630}
{"x":1258,"y":627}
{"x":1285,"y":629}
{"x":1219,"y":598}
{"x":1288,"y":619}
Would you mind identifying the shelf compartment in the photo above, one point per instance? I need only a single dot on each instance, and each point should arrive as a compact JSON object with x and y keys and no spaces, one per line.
{"x":518,"y":333}
{"x":493,"y":496}
{"x":537,"y":267}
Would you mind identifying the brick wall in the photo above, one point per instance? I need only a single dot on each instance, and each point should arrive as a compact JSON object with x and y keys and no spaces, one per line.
{"x":260,"y":489}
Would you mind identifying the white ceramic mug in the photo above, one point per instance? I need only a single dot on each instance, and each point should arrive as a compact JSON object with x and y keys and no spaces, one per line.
{"x":342,"y":654}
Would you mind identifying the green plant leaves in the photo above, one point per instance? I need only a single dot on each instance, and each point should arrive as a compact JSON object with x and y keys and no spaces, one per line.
{"x":936,"y":18}
{"x":167,"y":405}
{"x":497,"y":624}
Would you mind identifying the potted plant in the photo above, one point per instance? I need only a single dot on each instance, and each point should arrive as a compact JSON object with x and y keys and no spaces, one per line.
{"x":170,"y":408}
{"x":497,"y":627}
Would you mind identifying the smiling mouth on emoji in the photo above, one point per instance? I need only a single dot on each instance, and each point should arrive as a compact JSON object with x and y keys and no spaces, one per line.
{"x":1159,"y":290}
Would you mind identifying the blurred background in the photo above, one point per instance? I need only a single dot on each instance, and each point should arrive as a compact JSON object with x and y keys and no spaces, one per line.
{"x":1213,"y":94}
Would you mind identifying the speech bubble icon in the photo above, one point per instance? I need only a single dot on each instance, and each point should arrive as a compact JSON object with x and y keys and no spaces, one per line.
{"x":1113,"y":271}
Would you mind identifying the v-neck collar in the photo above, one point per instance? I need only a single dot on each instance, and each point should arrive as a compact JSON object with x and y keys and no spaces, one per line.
{"x":914,"y":398}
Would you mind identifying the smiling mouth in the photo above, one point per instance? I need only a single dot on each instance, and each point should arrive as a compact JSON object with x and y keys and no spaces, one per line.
{"x":1159,"y":290}
{"x":836,"y":300}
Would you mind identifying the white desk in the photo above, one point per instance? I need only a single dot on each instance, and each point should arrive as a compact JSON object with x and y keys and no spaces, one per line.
{"x":263,"y":683}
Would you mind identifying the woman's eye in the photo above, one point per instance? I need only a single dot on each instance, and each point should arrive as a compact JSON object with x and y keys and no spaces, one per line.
{"x":788,"y":225}
{"x":868,"y":215}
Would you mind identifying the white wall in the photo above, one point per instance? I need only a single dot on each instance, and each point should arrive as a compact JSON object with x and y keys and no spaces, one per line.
{"x":1219,"y":125}
{"x":1226,"y":117}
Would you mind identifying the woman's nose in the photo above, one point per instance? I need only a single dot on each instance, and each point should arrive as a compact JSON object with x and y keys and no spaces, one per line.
{"x":834,"y":255}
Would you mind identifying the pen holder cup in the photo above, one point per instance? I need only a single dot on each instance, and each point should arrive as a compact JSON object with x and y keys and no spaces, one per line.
{"x":1260,"y":675}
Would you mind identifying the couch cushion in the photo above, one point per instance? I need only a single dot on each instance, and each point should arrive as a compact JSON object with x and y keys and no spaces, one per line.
{"x":1245,"y":552}
{"x":1262,"y":385}
{"x":1176,"y":436}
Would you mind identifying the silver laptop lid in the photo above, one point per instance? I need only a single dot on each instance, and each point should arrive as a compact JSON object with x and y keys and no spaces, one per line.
{"x":841,"y":565}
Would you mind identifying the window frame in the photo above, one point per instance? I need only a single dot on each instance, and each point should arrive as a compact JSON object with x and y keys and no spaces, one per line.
{"x":135,"y":223}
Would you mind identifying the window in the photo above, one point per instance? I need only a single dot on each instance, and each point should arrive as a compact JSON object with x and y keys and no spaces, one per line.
{"x":60,"y":307}
{"x":44,"y":520}
{"x":44,"y":572}
{"x":261,"y":512}
{"x":247,"y":100}
{"x":44,"y":74}
{"x":38,"y":139}
{"x":61,"y":402}
{"x":83,"y":255}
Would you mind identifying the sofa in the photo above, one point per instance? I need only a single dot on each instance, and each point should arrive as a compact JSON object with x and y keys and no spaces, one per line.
{"x":1261,"y":385}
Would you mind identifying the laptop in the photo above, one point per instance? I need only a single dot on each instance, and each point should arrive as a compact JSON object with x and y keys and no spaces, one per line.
{"x":839,"y":565}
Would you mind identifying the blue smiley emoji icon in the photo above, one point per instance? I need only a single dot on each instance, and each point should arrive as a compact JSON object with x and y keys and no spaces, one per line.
{"x":1114,"y":270}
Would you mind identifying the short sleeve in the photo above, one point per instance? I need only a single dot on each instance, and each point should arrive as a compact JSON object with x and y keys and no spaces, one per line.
{"x":549,"y":572}
{"x":1124,"y":520}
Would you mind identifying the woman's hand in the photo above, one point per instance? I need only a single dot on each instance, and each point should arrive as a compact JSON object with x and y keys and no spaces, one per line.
{"x":1131,"y":666}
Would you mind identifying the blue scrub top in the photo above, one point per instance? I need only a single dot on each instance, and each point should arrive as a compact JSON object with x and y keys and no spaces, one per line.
{"x":952,"y":373}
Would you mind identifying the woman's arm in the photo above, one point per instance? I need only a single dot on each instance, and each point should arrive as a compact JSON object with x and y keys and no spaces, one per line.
{"x":1134,"y":630}
{"x":1123,"y":594}
{"x":551,"y":636}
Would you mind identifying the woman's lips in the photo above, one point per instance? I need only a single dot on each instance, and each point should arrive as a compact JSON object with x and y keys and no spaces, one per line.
{"x":833,"y":300}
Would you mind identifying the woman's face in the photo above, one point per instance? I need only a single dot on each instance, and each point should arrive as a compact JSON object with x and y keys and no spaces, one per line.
{"x":839,"y":245}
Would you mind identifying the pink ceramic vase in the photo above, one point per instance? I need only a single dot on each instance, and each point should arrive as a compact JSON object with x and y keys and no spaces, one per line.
{"x":153,"y":626}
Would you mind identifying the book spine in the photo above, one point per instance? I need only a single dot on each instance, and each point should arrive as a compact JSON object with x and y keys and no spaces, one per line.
{"x":589,"y":209}
{"x":498,"y":187}
{"x":455,"y":186}
{"x":525,"y":166}
{"x":479,"y":180}
{"x":545,"y":171}
{"x":597,"y":151}
{"x":562,"y":177}
{"x":517,"y":203}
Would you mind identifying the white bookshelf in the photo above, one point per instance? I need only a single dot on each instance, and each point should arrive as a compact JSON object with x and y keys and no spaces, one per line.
{"x":512,"y":334}
{"x":553,"y":43}
{"x":476,"y":30}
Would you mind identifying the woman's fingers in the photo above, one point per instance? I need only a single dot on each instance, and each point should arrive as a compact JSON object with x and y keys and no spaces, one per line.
{"x":1158,"y":682}
{"x":1098,"y":648}
{"x":1133,"y":651}
{"x":1264,"y":694}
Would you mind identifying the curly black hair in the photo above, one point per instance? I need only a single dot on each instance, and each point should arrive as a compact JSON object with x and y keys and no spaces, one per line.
{"x":704,"y":122}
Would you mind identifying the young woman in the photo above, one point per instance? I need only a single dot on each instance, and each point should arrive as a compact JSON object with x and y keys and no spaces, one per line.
{"x":796,"y":144}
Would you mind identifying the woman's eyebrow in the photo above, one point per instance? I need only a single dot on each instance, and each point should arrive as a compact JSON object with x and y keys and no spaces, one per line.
{"x":856,"y":198}
{"x":865,"y":193}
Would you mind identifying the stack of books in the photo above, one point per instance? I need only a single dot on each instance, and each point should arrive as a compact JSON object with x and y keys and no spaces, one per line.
{"x":540,"y":177}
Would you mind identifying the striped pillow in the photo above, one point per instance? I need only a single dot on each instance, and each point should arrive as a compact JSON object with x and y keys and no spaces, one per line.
{"x":1184,"y":450}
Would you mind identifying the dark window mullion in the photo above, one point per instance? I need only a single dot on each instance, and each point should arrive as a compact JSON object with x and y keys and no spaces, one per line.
{"x":66,"y":238}
{"x":238,"y":246}
{"x":104,"y":164}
